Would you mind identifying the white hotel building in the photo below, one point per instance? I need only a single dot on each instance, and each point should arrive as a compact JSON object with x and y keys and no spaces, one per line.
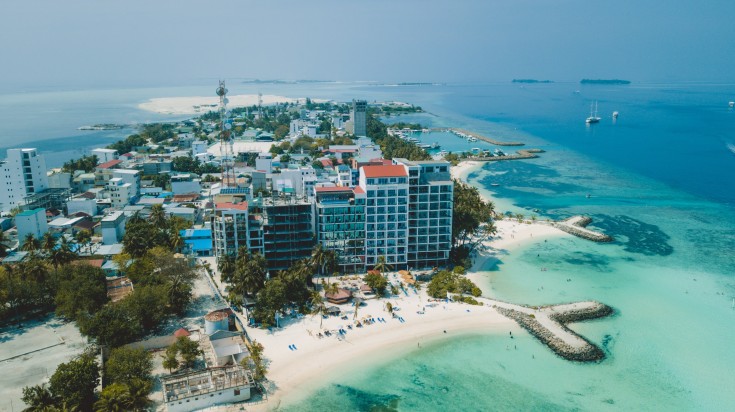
{"x":22,"y":173}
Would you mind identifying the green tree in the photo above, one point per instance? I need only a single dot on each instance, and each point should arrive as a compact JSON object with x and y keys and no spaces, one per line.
{"x":451,"y":282}
{"x":83,"y":291}
{"x":3,"y":244}
{"x":255,"y":361}
{"x":226,"y":265}
{"x":147,"y":304}
{"x":86,"y":163}
{"x":30,"y":243}
{"x":471,"y":220}
{"x":323,"y":260}
{"x":38,"y":398}
{"x":189,"y":351}
{"x":318,"y":308}
{"x":114,"y":398}
{"x":249,"y":275}
{"x":113,"y":326}
{"x":74,"y":382}
{"x":48,"y":242}
{"x":382,"y":266}
{"x":377,"y":282}
{"x":170,"y":360}
{"x":127,"y":364}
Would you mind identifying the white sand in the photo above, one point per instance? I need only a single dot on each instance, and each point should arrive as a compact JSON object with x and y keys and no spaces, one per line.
{"x":203,"y":104}
{"x":295,"y":373}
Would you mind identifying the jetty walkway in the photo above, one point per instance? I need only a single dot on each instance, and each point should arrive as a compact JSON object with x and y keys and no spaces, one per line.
{"x":478,"y":136}
{"x":576,"y":225}
{"x":521,"y":154}
{"x":549,"y":325}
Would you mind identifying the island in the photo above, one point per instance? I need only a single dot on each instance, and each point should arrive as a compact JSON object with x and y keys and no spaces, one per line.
{"x":531,"y":81}
{"x":104,"y":126}
{"x":604,"y":81}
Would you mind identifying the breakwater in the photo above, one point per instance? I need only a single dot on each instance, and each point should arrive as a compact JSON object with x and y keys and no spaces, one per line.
{"x":576,"y":225}
{"x":548,"y":324}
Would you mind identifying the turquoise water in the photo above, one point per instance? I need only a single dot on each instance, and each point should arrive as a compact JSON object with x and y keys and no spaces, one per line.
{"x":660,"y":180}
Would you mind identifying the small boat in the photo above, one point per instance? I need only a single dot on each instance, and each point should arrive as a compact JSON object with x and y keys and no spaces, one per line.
{"x":499,"y":152}
{"x":593,"y":117}
{"x":435,"y":145}
{"x":731,"y":104}
{"x":471,"y":139}
{"x":615,"y":114}
{"x":425,"y":146}
{"x":495,"y":184}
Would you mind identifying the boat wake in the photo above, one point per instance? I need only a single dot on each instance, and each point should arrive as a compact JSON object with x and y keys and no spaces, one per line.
{"x":731,"y":146}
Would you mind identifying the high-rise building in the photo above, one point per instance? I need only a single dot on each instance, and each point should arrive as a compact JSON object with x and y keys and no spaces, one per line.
{"x":430,"y":205}
{"x":340,"y":225}
{"x":230,"y":228}
{"x":386,"y":229}
{"x":22,"y":174}
{"x":358,"y":115}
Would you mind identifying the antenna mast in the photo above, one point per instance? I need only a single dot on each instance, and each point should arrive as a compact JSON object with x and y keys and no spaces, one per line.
{"x":225,"y":134}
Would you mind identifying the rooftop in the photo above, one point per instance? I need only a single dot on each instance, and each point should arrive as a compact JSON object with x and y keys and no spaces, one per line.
{"x":384,"y":171}
{"x":110,"y":164}
{"x":235,"y":206}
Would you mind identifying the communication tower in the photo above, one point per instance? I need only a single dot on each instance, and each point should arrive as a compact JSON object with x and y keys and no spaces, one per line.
{"x":260,"y":105}
{"x":225,"y":139}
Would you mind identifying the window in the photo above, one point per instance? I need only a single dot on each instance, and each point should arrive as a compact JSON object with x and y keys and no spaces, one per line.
{"x":237,"y":392}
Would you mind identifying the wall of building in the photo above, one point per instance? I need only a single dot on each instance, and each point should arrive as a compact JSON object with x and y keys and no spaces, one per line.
{"x":206,"y":400}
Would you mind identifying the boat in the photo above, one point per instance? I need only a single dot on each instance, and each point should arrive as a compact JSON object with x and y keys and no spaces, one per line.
{"x":731,"y":104}
{"x":425,"y":146}
{"x":593,"y":117}
{"x":472,"y":139}
{"x":435,"y":145}
{"x":499,"y":152}
{"x":615,"y":114}
{"x":494,"y":184}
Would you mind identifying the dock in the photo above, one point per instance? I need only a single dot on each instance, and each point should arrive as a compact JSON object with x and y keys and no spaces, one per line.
{"x":520,"y":154}
{"x":477,"y":136}
{"x":576,"y":225}
{"x":549,"y":325}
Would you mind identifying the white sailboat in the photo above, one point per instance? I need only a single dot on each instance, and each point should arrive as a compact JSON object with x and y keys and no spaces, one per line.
{"x":593,"y":117}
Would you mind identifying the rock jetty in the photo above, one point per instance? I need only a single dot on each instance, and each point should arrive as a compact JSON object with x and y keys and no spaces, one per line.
{"x":548,"y":324}
{"x":576,"y":225}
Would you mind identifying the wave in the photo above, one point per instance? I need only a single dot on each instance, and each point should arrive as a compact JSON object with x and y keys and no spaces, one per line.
{"x":731,"y":146}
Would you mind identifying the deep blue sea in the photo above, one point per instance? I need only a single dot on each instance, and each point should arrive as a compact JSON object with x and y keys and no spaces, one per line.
{"x":660,"y":179}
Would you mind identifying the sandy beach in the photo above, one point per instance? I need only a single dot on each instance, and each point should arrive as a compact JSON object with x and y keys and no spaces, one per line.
{"x":203,"y":104}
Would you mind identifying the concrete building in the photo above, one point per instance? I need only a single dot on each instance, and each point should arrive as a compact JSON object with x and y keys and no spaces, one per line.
{"x":340,"y":225}
{"x":22,"y":173}
{"x":83,"y":182}
{"x":386,"y":214}
{"x":230,"y":228}
{"x":196,"y":390}
{"x":113,"y":228}
{"x":358,"y":116}
{"x":197,"y":241}
{"x":430,"y":207}
{"x":285,"y":224}
{"x":264,"y":162}
{"x":129,"y":176}
{"x":185,"y":183}
{"x":120,"y":192}
{"x":198,"y":147}
{"x":105,"y":155}
{"x":154,"y":167}
{"x":59,"y":180}
{"x":81,"y":204}
{"x":31,"y":222}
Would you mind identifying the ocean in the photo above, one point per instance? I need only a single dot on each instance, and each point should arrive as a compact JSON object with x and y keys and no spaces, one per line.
{"x":659,"y":179}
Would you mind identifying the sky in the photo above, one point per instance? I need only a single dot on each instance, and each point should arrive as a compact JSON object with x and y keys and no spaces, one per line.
{"x":92,"y":43}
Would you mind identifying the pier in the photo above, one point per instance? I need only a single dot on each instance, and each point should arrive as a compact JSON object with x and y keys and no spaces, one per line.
{"x":576,"y":225}
{"x":549,"y":325}
{"x":477,"y":136}
{"x":521,"y":154}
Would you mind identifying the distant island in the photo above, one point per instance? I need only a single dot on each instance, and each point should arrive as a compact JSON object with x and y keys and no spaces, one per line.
{"x":531,"y":81}
{"x":105,"y":126}
{"x":604,"y":81}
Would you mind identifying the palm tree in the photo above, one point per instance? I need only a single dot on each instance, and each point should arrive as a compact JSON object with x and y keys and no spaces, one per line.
{"x":30,"y":243}
{"x":226,"y":267}
{"x":84,"y":237}
{"x":318,"y":257}
{"x":158,"y":216}
{"x":317,"y":306}
{"x":170,"y":361}
{"x":114,"y":398}
{"x":176,"y":242}
{"x":382,"y":266}
{"x":48,"y":242}
{"x":330,"y":288}
{"x":38,"y":398}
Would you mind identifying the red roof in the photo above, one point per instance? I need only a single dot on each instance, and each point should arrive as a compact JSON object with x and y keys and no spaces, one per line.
{"x":326,"y":163}
{"x":358,"y":189}
{"x":91,"y":262}
{"x":127,"y":155}
{"x":109,"y":164}
{"x":385,"y":171}
{"x":334,"y":189}
{"x":230,"y":205}
{"x":182,"y":332}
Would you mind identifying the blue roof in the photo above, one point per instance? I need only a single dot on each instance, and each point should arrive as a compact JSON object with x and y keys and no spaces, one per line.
{"x":199,"y":244}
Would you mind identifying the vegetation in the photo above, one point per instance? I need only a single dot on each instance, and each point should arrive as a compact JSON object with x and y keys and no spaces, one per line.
{"x":82,"y":291}
{"x":129,"y":144}
{"x":131,"y":370}
{"x":286,"y":290}
{"x":446,"y":282}
{"x":392,"y":146}
{"x":471,"y":221}
{"x":74,"y":382}
{"x":245,"y":273}
{"x":255,"y":361}
{"x":159,"y":230}
{"x":86,"y":163}
{"x":377,"y":282}
{"x":189,"y":164}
